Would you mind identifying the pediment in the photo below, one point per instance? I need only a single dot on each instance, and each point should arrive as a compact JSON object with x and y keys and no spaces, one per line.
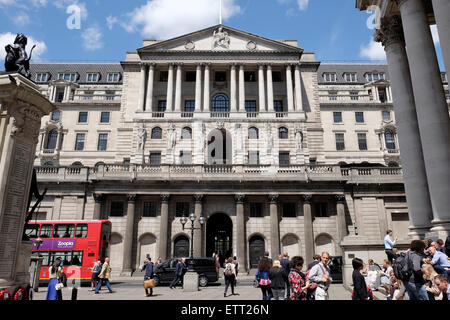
{"x":220,"y":38}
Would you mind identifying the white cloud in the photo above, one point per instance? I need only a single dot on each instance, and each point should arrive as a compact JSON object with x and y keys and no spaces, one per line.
{"x":435,"y":34}
{"x":111,"y":21}
{"x":373,"y":51}
{"x":8,"y":38}
{"x":165,"y":19}
{"x":21,"y":19}
{"x":92,"y":38}
{"x":302,"y":4}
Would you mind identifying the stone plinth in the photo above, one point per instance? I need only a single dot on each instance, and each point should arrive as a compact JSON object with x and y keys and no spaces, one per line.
{"x":190,"y":282}
{"x":21,"y":108}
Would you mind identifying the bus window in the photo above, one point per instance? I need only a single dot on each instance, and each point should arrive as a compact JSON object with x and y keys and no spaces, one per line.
{"x":66,"y":257}
{"x":46,"y":231}
{"x":77,"y":258}
{"x":82,"y":231}
{"x":106,"y":232}
{"x":46,"y":256}
{"x":64,"y":231}
{"x":31,"y":230}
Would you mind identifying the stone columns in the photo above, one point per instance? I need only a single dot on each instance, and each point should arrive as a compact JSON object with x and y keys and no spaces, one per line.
{"x":441,"y":10}
{"x":178,"y":87}
{"x":308,"y":228}
{"x":207,"y":90}
{"x":414,"y":173}
{"x":98,"y":206}
{"x":169,"y":99}
{"x":262,"y":93}
{"x":128,"y":238}
{"x":240,"y":236}
{"x":233,"y":89}
{"x":198,"y":89}
{"x":341,"y":224}
{"x":150,"y":85}
{"x":270,"y":103}
{"x":198,"y":234}
{"x":431,"y":107}
{"x":164,"y":226}
{"x":141,"y":101}
{"x":298,"y":89}
{"x":241,"y":88}
{"x":274,"y":227}
{"x":290,"y":91}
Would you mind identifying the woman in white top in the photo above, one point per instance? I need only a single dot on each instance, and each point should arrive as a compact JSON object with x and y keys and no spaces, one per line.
{"x":230,"y":276}
{"x":55,"y":272}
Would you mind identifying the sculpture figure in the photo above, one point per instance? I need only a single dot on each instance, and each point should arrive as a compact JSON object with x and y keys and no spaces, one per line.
{"x":172,"y":141}
{"x":221,"y":39}
{"x":17,"y":59}
{"x":142,"y":135}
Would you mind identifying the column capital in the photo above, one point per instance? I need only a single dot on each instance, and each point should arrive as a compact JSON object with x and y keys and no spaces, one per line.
{"x":143,"y":66}
{"x":273,"y":198}
{"x":307,"y":198}
{"x":234,"y":64}
{"x":391,"y":31}
{"x":131,"y":197}
{"x":165,"y":197}
{"x":151,"y":64}
{"x":198,"y":198}
{"x":207,"y":64}
{"x":199,"y":65}
{"x":239,"y":198}
{"x":340,"y":198}
{"x":179,"y":64}
{"x":98,"y":197}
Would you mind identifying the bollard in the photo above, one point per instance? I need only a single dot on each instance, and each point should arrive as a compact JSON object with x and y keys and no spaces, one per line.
{"x":74,"y":293}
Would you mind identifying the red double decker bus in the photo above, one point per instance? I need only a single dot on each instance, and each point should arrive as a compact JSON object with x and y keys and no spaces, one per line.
{"x":77,"y":243}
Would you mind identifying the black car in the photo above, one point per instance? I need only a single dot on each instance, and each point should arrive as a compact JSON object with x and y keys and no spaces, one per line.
{"x":206,"y":268}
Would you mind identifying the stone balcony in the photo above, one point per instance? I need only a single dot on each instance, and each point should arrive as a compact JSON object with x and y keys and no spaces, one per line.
{"x":208,"y":115}
{"x":214,"y":173}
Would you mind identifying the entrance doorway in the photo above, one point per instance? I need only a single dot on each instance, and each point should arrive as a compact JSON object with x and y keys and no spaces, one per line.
{"x":181,"y":247}
{"x":256,"y":250}
{"x":219,"y":236}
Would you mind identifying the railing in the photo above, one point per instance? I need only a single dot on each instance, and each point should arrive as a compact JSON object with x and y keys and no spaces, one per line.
{"x":221,"y":173}
{"x":220,"y":114}
{"x":332,"y":98}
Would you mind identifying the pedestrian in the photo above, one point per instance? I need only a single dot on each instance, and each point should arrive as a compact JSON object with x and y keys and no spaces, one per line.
{"x":447,"y":246}
{"x":55,"y":272}
{"x":236,"y":265}
{"x":158,"y":262}
{"x":389,"y":245}
{"x":278,"y":281}
{"x":179,"y":272}
{"x":415,"y":284}
{"x":286,"y":265}
{"x":149,"y":274}
{"x":385,"y":274}
{"x":432,"y":290}
{"x":230,"y":276}
{"x":360,"y":290}
{"x":397,"y":288}
{"x":442,"y":283}
{"x":439,"y":261}
{"x":297,"y":280}
{"x":266,"y":255}
{"x":316,"y":260}
{"x":262,"y":276}
{"x":439,"y":244}
{"x":104,"y":276}
{"x":320,"y":274}
{"x":96,"y":268}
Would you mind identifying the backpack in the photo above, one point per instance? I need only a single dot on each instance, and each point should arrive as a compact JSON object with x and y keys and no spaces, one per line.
{"x":228,"y":272}
{"x":313,"y":285}
{"x":402,"y":268}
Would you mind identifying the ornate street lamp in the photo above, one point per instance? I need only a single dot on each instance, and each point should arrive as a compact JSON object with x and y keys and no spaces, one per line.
{"x":192,"y":218}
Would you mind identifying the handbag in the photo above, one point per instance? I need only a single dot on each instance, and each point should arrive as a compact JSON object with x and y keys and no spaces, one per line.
{"x":264,"y":282}
{"x":149,"y":284}
{"x":59,"y":286}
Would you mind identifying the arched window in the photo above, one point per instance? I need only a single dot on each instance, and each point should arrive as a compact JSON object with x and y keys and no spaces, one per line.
{"x":253,"y":133}
{"x":186,"y":133}
{"x":283,"y":133}
{"x":157,"y":133}
{"x":52,"y":139}
{"x":390,"y":140}
{"x":220,"y":103}
{"x":77,"y":164}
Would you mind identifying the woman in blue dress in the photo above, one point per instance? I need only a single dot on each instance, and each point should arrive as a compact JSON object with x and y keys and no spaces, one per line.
{"x":54,"y":276}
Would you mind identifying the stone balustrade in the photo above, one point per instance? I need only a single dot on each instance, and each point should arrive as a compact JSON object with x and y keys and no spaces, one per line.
{"x":220,"y":173}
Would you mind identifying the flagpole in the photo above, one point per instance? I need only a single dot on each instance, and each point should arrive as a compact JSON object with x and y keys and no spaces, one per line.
{"x":220,"y":12}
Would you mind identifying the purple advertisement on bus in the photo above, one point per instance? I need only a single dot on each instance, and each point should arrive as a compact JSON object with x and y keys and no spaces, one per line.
{"x":56,"y":244}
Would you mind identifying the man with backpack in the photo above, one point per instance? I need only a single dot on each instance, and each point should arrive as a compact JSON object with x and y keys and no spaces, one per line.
{"x":320,"y":274}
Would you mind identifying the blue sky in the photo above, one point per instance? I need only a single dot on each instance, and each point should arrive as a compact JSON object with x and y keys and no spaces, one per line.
{"x":335,"y":30}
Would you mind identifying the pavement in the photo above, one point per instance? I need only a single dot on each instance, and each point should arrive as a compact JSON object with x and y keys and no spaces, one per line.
{"x":131,"y":288}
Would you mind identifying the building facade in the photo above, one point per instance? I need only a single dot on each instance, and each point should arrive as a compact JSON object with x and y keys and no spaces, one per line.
{"x":275,"y":150}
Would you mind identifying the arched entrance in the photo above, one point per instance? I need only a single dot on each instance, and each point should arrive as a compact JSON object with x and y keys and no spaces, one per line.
{"x":181,"y":247}
{"x":219,"y":236}
{"x":256,"y":250}
{"x":325,"y":243}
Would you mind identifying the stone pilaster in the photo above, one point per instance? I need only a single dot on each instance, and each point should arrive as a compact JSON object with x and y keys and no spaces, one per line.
{"x":241,"y":88}
{"x":178,"y":89}
{"x":198,"y":233}
{"x":270,"y":102}
{"x":98,"y":197}
{"x":308,"y":228}
{"x":289,"y":85}
{"x":198,"y":89}
{"x":128,"y":238}
{"x":207,"y":89}
{"x":169,"y":99}
{"x":233,"y":89}
{"x":240,"y":227}
{"x":274,"y":226}
{"x":298,"y":89}
{"x":164,"y":227}
{"x":141,"y":101}
{"x":261,"y":88}
{"x":150,"y":88}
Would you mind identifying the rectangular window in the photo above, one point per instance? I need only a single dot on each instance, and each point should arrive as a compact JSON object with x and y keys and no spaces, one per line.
{"x":284,"y":158}
{"x":191,"y":76}
{"x":79,"y":143}
{"x":253,"y":157}
{"x":67,"y":76}
{"x":113,"y":77}
{"x":41,"y":77}
{"x":276,"y":76}
{"x":88,"y":95}
{"x":155,"y":158}
{"x":329,"y":77}
{"x":149,"y":209}
{"x":337,"y":117}
{"x":164,"y":76}
{"x":102,"y":142}
{"x":321,"y":209}
{"x":362,"y":141}
{"x":289,"y":210}
{"x":64,"y":231}
{"x":278,"y":105}
{"x":354,"y":95}
{"x":82,"y":117}
{"x":332,"y":95}
{"x":117,"y":209}
{"x":162,"y":105}
{"x":104,"y":117}
{"x":220,"y":76}
{"x":189,"y":106}
{"x":250,"y":106}
{"x":340,"y":142}
{"x":182,"y":209}
{"x":250,"y":76}
{"x":82,"y":231}
{"x":444,"y":77}
{"x":350,"y":77}
{"x":359,"y":117}
{"x":92,"y":77}
{"x":46,"y":231}
{"x":386,"y":115}
{"x":256,"y":210}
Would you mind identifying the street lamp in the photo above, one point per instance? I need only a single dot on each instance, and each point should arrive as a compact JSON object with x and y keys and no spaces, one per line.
{"x":192,"y":217}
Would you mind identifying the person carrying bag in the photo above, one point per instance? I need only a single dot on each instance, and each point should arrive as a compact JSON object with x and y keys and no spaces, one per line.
{"x":149,"y":282}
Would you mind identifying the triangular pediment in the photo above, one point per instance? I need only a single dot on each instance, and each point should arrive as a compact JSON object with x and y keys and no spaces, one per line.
{"x":219,"y":38}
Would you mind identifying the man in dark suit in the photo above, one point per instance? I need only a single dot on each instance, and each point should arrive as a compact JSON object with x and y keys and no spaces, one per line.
{"x":179,"y":272}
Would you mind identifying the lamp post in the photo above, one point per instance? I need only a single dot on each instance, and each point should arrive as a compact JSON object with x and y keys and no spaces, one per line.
{"x":192,"y":218}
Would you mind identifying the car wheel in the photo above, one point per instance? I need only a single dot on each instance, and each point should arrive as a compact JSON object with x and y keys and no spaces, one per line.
{"x":156,"y":279}
{"x":203,"y":281}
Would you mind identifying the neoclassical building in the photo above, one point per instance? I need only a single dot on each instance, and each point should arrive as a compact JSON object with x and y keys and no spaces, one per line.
{"x":275,"y":150}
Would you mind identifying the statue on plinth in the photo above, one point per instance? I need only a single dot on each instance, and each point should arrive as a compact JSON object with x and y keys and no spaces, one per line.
{"x":17,"y":59}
